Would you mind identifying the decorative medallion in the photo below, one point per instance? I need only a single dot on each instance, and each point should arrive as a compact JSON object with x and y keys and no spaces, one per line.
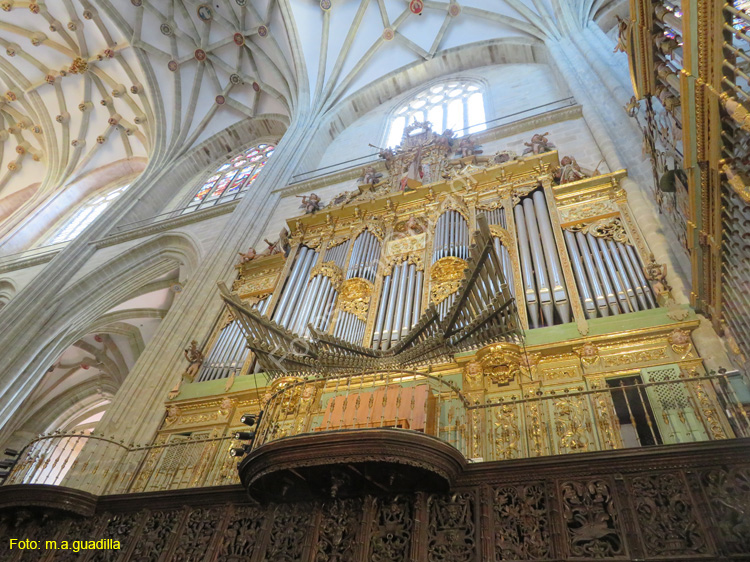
{"x":500,"y":362}
{"x":20,"y":149}
{"x":98,"y":338}
{"x":50,"y":79}
{"x":679,"y":340}
{"x":6,"y":6}
{"x":165,"y":29}
{"x":78,"y":66}
{"x":325,"y":5}
{"x":36,"y":129}
{"x":388,"y":34}
{"x":416,"y":6}
{"x":588,"y":353}
{"x":137,"y":3}
{"x":10,"y":95}
{"x":454,"y":10}
{"x":88,"y":15}
{"x":354,"y":297}
{"x":34,"y":8}
{"x":172,"y":65}
{"x":205,"y":13}
{"x":73,"y":25}
{"x":200,"y":55}
{"x":241,"y":2}
{"x":176,"y":287}
{"x":235,"y":79}
{"x":100,"y":139}
{"x":256,"y":86}
{"x":220,"y":100}
{"x":10,"y":51}
{"x":239,"y":39}
{"x":262,"y":30}
{"x":446,"y":274}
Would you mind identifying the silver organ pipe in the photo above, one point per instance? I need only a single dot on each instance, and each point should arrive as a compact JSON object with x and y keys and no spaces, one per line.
{"x":409,"y":302}
{"x":611,"y":268}
{"x":363,"y":264}
{"x":400,"y":294}
{"x":307,"y":303}
{"x":382,"y":307}
{"x":295,"y":286}
{"x":559,"y":293}
{"x":417,"y":306}
{"x":608,"y":272}
{"x":527,"y":268}
{"x":385,"y":340}
{"x":505,"y":265}
{"x":229,"y":352}
{"x":584,"y":289}
{"x":451,"y":239}
{"x":496,"y":216}
{"x":540,"y":268}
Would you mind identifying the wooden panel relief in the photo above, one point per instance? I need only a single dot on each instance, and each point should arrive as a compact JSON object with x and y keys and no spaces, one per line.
{"x":451,"y":528}
{"x":391,"y":534}
{"x":157,"y":530}
{"x":728,"y":491}
{"x":521,"y":522}
{"x":337,"y":530}
{"x":195,"y":539}
{"x":242,"y":534}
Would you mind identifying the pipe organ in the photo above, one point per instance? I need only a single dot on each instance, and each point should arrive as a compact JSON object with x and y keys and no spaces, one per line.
{"x":369,"y":272}
{"x":229,"y":352}
{"x":360,"y":276}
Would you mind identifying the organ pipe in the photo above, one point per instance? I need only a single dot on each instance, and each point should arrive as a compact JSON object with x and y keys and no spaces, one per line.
{"x":584,"y":289}
{"x":559,"y":294}
{"x":527,"y":268}
{"x":540,"y":268}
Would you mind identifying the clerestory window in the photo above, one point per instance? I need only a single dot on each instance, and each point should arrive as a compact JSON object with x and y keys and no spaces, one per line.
{"x":85,"y":215}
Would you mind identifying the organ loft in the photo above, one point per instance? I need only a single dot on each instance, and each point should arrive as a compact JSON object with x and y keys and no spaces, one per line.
{"x":374,"y":281}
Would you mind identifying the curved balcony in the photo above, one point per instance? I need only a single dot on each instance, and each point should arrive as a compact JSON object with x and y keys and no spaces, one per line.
{"x":347,"y":435}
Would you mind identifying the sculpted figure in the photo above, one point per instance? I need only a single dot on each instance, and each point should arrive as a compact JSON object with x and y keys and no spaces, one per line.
{"x":466,"y":147}
{"x":284,"y":244}
{"x":503,"y":156}
{"x":195,"y":360}
{"x":539,"y":144}
{"x":570,"y":171}
{"x":623,"y":27}
{"x":250,"y":255}
{"x":657,"y":274}
{"x":310,"y":203}
{"x":369,"y":176}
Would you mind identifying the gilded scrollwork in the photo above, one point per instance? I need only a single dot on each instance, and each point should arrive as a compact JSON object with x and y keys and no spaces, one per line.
{"x":609,"y":228}
{"x":446,"y":275}
{"x":331,"y":270}
{"x":354,"y":297}
{"x":587,"y":210}
{"x":501,"y":363}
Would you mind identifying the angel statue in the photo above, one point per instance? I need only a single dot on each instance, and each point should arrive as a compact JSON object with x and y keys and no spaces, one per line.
{"x":195,"y":360}
{"x":250,"y":255}
{"x":539,"y":144}
{"x":310,"y":203}
{"x":657,"y":274}
{"x":369,"y":176}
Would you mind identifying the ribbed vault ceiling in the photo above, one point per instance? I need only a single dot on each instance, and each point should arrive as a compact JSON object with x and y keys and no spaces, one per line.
{"x":86,"y":83}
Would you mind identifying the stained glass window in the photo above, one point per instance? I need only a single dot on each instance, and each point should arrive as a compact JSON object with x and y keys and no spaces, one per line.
{"x":85,"y":215}
{"x":456,"y":105}
{"x":231,"y":179}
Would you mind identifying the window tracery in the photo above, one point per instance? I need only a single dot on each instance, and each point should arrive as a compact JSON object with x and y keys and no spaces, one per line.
{"x":233,"y":178}
{"x":457,"y":105}
{"x":86,"y":214}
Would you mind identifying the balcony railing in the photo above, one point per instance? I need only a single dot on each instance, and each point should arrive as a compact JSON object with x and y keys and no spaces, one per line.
{"x":526,"y":423}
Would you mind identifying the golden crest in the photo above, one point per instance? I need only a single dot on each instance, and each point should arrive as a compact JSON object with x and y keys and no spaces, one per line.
{"x":500,"y":362}
{"x":354,"y":297}
{"x":447,"y":274}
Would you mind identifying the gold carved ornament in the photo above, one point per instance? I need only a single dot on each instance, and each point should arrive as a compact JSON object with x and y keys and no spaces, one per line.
{"x":412,"y":259}
{"x":609,"y":229}
{"x":354,"y":297}
{"x":500,"y":362}
{"x":331,"y":270}
{"x":446,"y":274}
{"x":502,"y":234}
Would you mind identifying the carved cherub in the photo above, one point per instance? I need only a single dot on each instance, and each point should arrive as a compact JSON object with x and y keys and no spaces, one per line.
{"x":310,"y":203}
{"x":195,"y":360}
{"x":657,"y":274}
{"x":250,"y":255}
{"x":369,"y":176}
{"x":467,"y":147}
{"x":538,"y":145}
{"x":503,"y":156}
{"x":570,"y":171}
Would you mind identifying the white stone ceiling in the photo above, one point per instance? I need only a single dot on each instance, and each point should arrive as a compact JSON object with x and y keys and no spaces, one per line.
{"x":84,"y":83}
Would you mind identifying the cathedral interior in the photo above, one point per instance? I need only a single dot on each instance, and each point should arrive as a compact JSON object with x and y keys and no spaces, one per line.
{"x":374,"y":280}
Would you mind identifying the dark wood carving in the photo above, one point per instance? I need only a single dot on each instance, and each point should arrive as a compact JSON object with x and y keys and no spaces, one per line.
{"x":157,"y":530}
{"x":241,"y":536}
{"x":120,"y":528}
{"x":290,"y":526}
{"x":79,"y":530}
{"x":521,"y":522}
{"x":391,"y":534}
{"x":451,"y":529}
{"x":337,"y":530}
{"x":195,"y":540}
{"x":666,"y":516}
{"x":591,"y":519}
{"x":728,"y":491}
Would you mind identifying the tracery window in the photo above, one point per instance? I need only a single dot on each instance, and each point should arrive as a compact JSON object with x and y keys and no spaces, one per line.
{"x":457,"y":105}
{"x":86,"y":214}
{"x":232,"y":179}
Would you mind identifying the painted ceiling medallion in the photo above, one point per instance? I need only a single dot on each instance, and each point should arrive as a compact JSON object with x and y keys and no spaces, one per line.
{"x":165,"y":29}
{"x":136,"y":3}
{"x":235,"y":79}
{"x":388,"y":34}
{"x":220,"y":100}
{"x":325,"y":5}
{"x":172,"y":65}
{"x":241,"y":2}
{"x":256,"y":86}
{"x":205,"y":13}
{"x":239,"y":39}
{"x":262,"y":30}
{"x":454,"y":10}
{"x":200,"y":55}
{"x":416,"y":6}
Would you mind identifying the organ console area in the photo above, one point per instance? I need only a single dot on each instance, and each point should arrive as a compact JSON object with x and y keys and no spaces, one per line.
{"x":365,"y":272}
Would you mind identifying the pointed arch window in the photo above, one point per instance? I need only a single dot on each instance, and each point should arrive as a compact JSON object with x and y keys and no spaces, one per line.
{"x":456,"y":105}
{"x":86,"y":214}
{"x":232,"y":179}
